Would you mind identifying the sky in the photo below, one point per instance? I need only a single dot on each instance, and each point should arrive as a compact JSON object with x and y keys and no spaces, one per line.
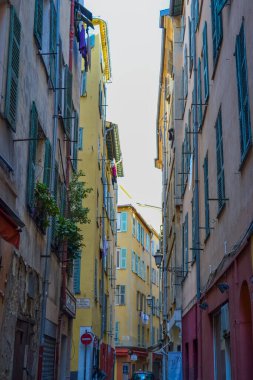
{"x":135,"y":51}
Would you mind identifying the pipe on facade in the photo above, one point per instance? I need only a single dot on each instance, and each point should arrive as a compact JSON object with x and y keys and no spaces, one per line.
{"x":196,"y":205}
{"x":51,"y":188}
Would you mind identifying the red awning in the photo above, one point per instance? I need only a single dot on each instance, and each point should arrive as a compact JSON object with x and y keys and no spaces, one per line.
{"x":9,"y":230}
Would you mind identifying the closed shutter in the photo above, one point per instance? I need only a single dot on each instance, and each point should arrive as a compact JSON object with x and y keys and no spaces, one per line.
{"x":243,"y":92}
{"x":123,"y":258}
{"x":32,"y":156}
{"x":199,"y":95}
{"x":220,"y":163}
{"x":133,"y":262}
{"x":76,"y":275}
{"x":47,"y":163}
{"x":185,"y":73}
{"x":123,"y":222}
{"x":38,"y":22}
{"x":68,"y":102}
{"x":217,"y":32}
{"x":206,"y":192}
{"x":205,"y":63}
{"x":11,"y":97}
{"x":186,"y":255}
{"x":190,"y":26}
{"x":75,"y":143}
{"x":116,"y":338}
{"x":122,"y":295}
{"x":182,"y":170}
{"x":52,"y":42}
{"x":48,"y":365}
{"x":196,"y":11}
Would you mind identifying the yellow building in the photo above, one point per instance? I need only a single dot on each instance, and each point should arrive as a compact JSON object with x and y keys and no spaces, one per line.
{"x":138,"y":301}
{"x":94,"y":271}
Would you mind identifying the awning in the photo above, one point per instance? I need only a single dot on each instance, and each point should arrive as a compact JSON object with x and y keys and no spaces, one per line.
{"x":83,"y":14}
{"x":9,"y":230}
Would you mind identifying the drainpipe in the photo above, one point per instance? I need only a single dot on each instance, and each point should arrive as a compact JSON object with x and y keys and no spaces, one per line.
{"x":196,"y":204}
{"x":51,"y":188}
{"x":151,"y":295}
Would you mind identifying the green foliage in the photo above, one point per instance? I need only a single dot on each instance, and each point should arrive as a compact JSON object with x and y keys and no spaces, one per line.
{"x":45,"y":205}
{"x":66,"y":227}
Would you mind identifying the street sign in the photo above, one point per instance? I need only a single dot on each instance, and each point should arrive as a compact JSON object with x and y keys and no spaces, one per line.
{"x":86,"y":339}
{"x":133,"y":357}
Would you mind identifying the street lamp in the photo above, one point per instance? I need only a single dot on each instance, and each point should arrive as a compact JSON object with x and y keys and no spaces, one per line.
{"x":149,"y":300}
{"x":158,"y":258}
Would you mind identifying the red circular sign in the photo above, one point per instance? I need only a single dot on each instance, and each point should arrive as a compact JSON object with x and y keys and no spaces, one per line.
{"x":86,"y":339}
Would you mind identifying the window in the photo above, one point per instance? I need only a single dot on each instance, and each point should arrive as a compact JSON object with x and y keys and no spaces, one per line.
{"x":80,"y":138}
{"x":136,"y":264}
{"x":194,"y":242}
{"x":196,"y":13}
{"x":74,"y":139}
{"x":39,"y":151}
{"x":11,"y":97}
{"x":221,"y":337}
{"x":76,"y":275}
{"x":52,"y":43}
{"x":205,"y":64}
{"x":134,"y":227}
{"x":185,"y":245}
{"x":147,"y":242}
{"x":68,"y":102}
{"x":206,"y":192}
{"x":199,"y":95}
{"x":38,"y":22}
{"x":243,"y":92}
{"x":120,"y":295}
{"x":133,"y":262}
{"x":123,"y":221}
{"x":217,"y":33}
{"x":83,"y":90}
{"x":116,"y":337}
{"x":190,"y":27}
{"x":138,"y":232}
{"x":220,"y":164}
{"x":152,"y":247}
{"x":185,"y":73}
{"x":121,"y":258}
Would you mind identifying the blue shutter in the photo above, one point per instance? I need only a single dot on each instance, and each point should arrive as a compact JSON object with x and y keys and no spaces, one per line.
{"x":196,"y":13}
{"x":75,"y":142}
{"x":133,"y":227}
{"x":123,"y":221}
{"x":220,"y":163}
{"x":133,"y":262}
{"x":136,"y":264}
{"x":123,"y":258}
{"x":116,"y":338}
{"x":217,"y":32}
{"x":47,"y":163}
{"x":199,"y":95}
{"x":205,"y":63}
{"x":38,"y":22}
{"x":80,"y":139}
{"x":76,"y":275}
{"x":220,"y":5}
{"x":185,"y":73}
{"x":243,"y":93}
{"x":182,"y":170}
{"x":52,"y":42}
{"x":32,"y":157}
{"x":68,"y":102}
{"x":194,"y":246}
{"x":190,"y":26}
{"x":83,"y":83}
{"x":206,"y":192}
{"x":11,"y":97}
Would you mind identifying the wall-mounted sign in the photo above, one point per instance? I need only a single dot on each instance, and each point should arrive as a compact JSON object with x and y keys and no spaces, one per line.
{"x":133,"y":357}
{"x":83,"y":303}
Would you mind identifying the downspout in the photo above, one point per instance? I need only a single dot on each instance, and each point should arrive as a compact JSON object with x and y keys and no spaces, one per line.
{"x":152,"y":306}
{"x":51,"y":188}
{"x":196,"y":205}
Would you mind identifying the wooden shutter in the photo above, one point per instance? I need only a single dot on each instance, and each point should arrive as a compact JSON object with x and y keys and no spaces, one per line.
{"x":243,"y":93}
{"x":220,"y":164}
{"x":76,"y":275}
{"x":38,"y":22}
{"x":199,"y":95}
{"x":206,"y":192}
{"x":123,"y":222}
{"x":220,"y":5}
{"x":47,"y":163}
{"x":32,"y":156}
{"x":11,"y":97}
{"x":52,"y":42}
{"x":123,"y":258}
{"x":68,"y":102}
{"x":205,"y":63}
{"x":75,"y":143}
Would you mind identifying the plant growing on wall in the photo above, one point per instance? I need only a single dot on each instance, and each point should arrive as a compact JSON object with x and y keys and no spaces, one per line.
{"x":45,"y":206}
{"x":66,"y":227}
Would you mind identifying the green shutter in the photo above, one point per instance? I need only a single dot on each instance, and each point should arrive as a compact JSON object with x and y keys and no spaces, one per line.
{"x":77,"y":275}
{"x":206,"y":193}
{"x":217,"y":32}
{"x":123,"y":258}
{"x":47,"y":163}
{"x":32,"y":156}
{"x":52,"y":42}
{"x":38,"y":22}
{"x":199,"y":95}
{"x":220,"y":163}
{"x":205,"y":63}
{"x":75,"y":143}
{"x":243,"y":93}
{"x":68,"y":102}
{"x":220,"y":5}
{"x":123,"y":222}
{"x":11,"y":97}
